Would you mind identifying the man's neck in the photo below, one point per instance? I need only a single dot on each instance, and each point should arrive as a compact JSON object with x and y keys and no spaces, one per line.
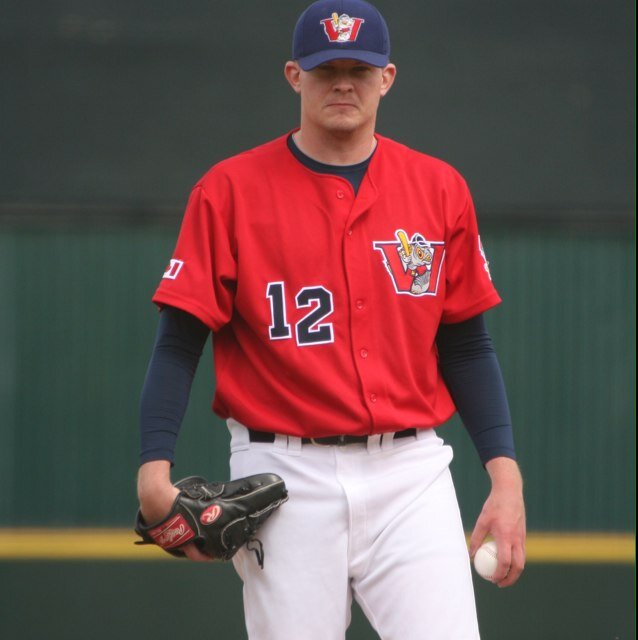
{"x":335,"y":149}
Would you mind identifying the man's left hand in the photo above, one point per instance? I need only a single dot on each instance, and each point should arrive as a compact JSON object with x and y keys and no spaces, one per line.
{"x":503,"y":517}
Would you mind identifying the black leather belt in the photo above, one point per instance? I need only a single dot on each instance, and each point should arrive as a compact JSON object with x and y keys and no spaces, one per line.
{"x":339,"y":441}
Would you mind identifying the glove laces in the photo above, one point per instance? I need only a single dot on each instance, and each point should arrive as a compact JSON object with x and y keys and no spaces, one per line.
{"x":255,"y":545}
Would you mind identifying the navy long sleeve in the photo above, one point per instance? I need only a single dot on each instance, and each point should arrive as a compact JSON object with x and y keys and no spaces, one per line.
{"x":178,"y":347}
{"x":473,"y":375}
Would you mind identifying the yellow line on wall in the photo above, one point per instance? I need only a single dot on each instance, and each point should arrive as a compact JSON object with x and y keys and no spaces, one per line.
{"x":581,"y":548}
{"x":74,"y":544}
{"x":117,"y":544}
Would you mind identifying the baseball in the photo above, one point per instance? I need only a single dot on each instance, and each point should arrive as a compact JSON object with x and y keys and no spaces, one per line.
{"x":486,"y":560}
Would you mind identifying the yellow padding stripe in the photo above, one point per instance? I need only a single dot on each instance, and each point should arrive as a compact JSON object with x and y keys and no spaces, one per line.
{"x":117,"y":544}
{"x":74,"y":544}
{"x":581,"y":548}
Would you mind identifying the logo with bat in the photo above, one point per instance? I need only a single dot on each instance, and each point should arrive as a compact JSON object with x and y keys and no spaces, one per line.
{"x":413,"y":263}
{"x":342,"y":28}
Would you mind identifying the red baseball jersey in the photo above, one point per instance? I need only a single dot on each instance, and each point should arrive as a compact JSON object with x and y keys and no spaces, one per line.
{"x":325,"y":305}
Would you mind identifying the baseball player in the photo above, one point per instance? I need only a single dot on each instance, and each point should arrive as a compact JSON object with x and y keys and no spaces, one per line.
{"x":344,"y":282}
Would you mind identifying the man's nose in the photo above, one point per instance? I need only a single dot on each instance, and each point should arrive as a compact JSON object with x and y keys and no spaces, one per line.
{"x":343,"y":82}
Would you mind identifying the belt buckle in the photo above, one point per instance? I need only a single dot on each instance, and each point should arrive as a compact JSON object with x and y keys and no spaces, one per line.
{"x":341,"y":442}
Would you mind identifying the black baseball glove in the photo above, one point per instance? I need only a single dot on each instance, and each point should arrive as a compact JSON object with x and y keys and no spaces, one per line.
{"x":219,"y":517}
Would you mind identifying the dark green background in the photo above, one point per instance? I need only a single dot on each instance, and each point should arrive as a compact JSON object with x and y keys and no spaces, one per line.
{"x":167,"y":600}
{"x":131,"y":102}
{"x":111,"y":111}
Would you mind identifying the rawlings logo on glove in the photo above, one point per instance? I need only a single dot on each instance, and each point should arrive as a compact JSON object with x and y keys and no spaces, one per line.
{"x":172,"y":533}
{"x":219,"y":517}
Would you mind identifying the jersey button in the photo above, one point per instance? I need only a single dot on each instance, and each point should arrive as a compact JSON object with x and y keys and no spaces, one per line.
{"x":373,"y":397}
{"x":359,"y":304}
{"x":349,"y":232}
{"x":364,"y":353}
{"x":340,"y":194}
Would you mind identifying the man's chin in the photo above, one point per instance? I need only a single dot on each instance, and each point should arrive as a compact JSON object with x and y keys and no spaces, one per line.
{"x":343,"y":125}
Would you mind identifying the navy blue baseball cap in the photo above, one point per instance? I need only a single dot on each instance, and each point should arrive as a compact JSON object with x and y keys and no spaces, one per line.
{"x":340,"y":29}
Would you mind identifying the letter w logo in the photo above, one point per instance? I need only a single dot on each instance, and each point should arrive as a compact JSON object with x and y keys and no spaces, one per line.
{"x":342,"y":28}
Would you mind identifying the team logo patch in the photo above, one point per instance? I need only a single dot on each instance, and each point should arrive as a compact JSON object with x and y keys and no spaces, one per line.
{"x":173,"y":269}
{"x":342,"y":28}
{"x":210,"y":514}
{"x":413,"y":264}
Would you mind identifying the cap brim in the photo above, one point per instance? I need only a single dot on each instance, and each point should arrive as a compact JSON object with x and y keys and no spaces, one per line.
{"x":307,"y":63}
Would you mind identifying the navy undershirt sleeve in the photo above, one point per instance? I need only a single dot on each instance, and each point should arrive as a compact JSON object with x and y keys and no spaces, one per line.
{"x":178,"y":347}
{"x":473,"y":376}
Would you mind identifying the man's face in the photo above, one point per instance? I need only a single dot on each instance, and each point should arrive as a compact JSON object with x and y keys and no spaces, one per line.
{"x":340,"y":96}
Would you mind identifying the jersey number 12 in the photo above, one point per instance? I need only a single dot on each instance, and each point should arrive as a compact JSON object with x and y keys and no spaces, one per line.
{"x":310,"y":329}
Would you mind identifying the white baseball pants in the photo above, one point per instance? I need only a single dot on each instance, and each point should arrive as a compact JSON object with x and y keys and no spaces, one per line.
{"x":378,"y":522}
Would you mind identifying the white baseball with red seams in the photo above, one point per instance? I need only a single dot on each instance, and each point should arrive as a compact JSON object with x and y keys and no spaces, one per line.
{"x":486,"y":560}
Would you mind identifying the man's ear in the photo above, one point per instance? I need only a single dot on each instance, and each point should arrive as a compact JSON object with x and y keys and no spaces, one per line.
{"x":292,"y":71}
{"x":388,"y":76}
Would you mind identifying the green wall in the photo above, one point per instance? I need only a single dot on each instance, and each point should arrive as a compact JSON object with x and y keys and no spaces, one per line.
{"x":77,"y":312}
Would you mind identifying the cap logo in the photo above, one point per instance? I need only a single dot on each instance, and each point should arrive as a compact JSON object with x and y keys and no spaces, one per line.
{"x":342,"y":28}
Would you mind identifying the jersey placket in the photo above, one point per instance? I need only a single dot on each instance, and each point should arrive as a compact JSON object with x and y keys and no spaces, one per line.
{"x":358,"y":283}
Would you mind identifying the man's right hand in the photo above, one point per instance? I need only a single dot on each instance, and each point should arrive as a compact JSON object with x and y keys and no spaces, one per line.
{"x":157,"y":494}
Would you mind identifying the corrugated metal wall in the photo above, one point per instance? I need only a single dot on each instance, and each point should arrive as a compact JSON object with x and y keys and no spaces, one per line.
{"x":568,"y":350}
{"x":566,"y":341}
{"x":79,"y":327}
